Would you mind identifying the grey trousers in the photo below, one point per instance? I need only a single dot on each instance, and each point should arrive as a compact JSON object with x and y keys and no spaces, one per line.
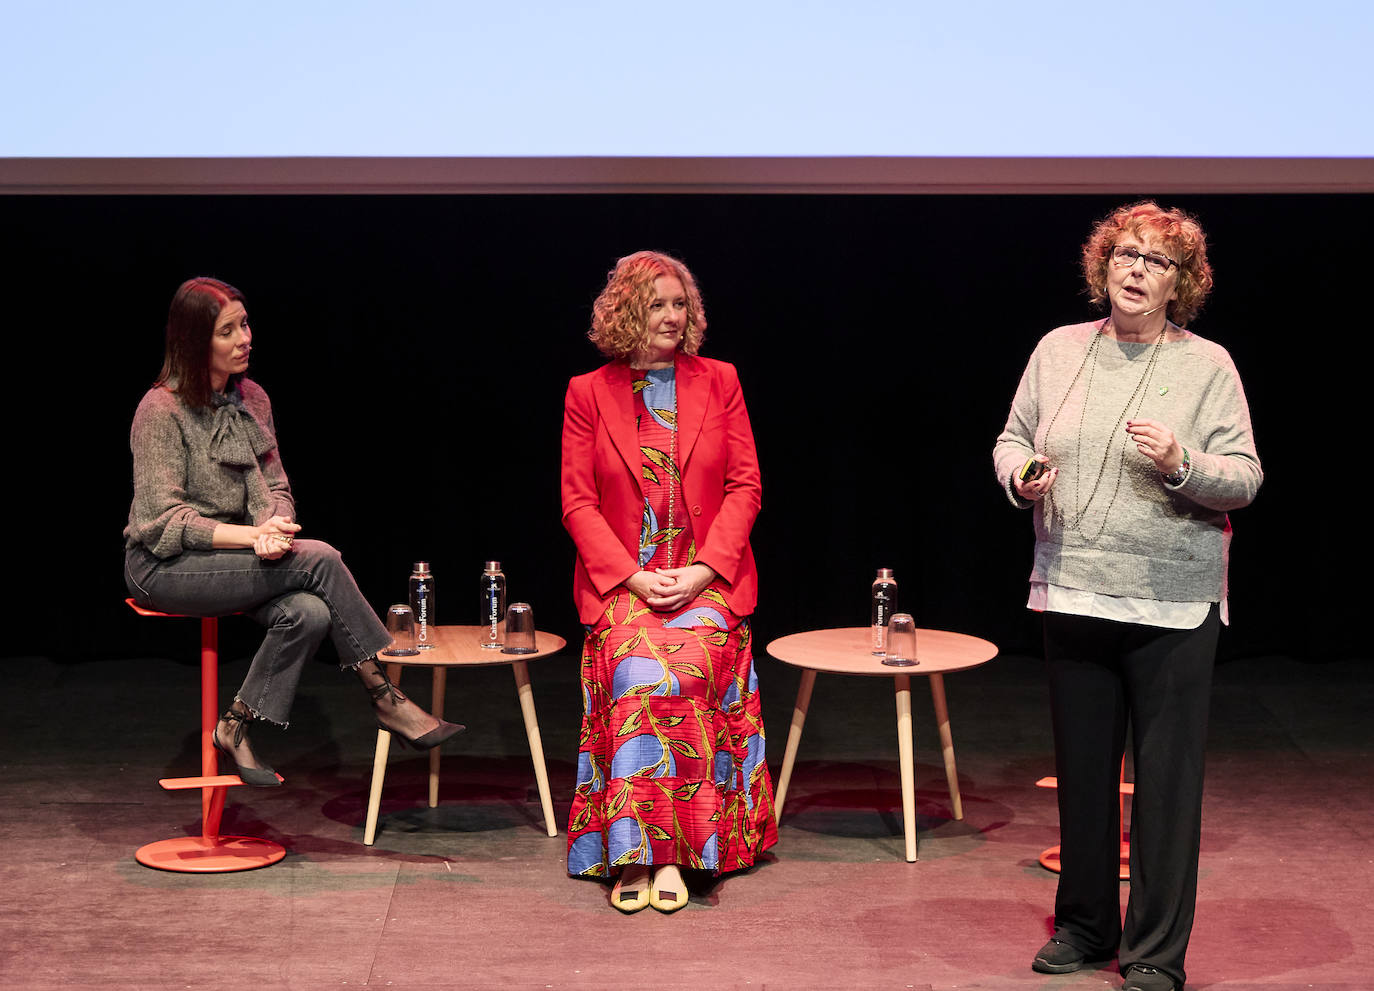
{"x":299,"y":598}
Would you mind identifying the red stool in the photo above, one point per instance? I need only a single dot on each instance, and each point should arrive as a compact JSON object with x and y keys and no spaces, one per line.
{"x":1049,"y":859}
{"x":208,"y":853}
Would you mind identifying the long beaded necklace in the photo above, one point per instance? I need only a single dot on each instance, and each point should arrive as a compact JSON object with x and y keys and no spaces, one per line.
{"x":1137,"y":398}
{"x":672,"y":460}
{"x":672,"y":469}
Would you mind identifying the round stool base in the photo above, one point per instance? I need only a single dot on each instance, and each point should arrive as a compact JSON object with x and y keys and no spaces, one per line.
{"x":210,"y":854}
{"x":1050,"y":861}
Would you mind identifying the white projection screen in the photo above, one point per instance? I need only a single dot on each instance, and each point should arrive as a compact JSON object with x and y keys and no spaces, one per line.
{"x":863,"y":96}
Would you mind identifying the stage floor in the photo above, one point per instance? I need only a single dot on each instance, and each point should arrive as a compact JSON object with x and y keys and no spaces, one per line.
{"x":473,"y":894}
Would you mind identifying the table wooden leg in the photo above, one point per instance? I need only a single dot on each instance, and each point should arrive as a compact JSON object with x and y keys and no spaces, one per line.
{"x":374,"y":795}
{"x":906,"y":763}
{"x":789,"y":756}
{"x":437,"y":708}
{"x":937,"y":695}
{"x":541,"y":775}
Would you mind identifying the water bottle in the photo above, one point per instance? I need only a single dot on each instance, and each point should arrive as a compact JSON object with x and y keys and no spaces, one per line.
{"x":884,"y":605}
{"x":422,"y":604}
{"x":493,"y":604}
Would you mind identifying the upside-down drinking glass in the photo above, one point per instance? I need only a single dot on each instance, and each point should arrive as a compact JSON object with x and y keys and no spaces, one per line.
{"x":400,"y":623}
{"x":901,"y":641}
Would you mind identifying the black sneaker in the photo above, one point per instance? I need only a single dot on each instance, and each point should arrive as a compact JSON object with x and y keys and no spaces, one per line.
{"x":1058,"y":957}
{"x":1143,"y":977}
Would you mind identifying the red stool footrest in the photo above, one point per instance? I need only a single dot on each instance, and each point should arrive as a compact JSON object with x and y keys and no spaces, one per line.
{"x":1126,"y":787}
{"x":207,"y":781}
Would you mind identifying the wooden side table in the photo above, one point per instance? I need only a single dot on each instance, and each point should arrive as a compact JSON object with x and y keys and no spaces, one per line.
{"x":458,"y":647}
{"x":849,"y":651}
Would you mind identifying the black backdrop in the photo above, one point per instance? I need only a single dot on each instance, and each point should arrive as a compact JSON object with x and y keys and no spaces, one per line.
{"x":417,"y":348}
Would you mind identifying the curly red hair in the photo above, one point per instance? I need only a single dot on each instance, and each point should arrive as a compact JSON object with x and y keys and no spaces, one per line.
{"x":1182,"y":239}
{"x":620,"y":315}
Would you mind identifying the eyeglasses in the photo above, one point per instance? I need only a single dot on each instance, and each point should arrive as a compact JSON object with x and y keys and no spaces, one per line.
{"x":1124,"y":257}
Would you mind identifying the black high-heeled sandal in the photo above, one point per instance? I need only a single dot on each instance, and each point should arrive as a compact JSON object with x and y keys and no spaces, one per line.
{"x":258,"y":777}
{"x":386,"y":690}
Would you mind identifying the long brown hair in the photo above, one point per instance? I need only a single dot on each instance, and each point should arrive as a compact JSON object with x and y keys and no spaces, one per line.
{"x":190,"y":326}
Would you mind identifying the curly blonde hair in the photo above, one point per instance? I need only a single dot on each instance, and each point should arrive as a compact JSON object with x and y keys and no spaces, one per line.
{"x":620,"y":315}
{"x":1183,"y":240}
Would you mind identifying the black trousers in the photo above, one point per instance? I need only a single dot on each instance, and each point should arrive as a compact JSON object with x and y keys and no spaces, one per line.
{"x":1102,"y":675}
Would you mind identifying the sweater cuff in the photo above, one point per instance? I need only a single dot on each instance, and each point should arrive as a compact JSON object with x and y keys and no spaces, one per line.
{"x":1016,"y":500}
{"x":199,"y":534}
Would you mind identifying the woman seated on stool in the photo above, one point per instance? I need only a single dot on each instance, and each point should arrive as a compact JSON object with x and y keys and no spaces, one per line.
{"x":212,"y":530}
{"x":660,"y":490}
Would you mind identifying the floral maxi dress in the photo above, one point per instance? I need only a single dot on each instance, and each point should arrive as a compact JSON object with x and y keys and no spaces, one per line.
{"x":671,"y":763}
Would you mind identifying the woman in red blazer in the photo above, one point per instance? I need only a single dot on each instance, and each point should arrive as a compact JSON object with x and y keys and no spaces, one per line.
{"x":660,"y":490}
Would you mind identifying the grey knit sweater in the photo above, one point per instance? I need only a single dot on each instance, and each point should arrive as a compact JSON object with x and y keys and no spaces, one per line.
{"x":1136,"y":536}
{"x":197,"y":468}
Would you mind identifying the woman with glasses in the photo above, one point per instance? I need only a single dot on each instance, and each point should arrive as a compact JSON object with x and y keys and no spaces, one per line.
{"x":1130,"y":438}
{"x":660,"y":490}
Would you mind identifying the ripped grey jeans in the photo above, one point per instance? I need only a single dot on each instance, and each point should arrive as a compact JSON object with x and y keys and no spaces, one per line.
{"x":299,"y":598}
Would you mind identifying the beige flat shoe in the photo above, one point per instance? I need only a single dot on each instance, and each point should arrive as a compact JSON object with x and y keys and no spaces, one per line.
{"x":631,"y":891}
{"x":668,"y":892}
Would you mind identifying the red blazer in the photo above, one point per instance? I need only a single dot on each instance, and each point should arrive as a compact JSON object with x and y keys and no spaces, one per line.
{"x":603,"y":504}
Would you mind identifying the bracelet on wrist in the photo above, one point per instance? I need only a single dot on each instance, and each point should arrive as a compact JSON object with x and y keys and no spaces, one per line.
{"x":1180,"y":474}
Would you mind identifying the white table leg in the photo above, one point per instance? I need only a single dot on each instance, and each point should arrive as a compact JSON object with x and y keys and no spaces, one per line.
{"x":437,"y":708}
{"x":379,"y":756}
{"x":374,"y":795}
{"x":789,"y":756}
{"x":937,"y":695}
{"x":906,"y":763}
{"x":541,"y":775}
